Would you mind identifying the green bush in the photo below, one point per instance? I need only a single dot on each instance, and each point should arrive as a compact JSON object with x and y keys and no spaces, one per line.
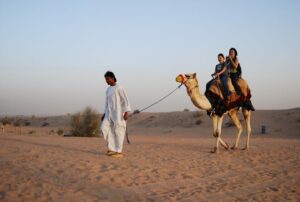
{"x":45,"y":124}
{"x":17,"y":123}
{"x":136,"y":111}
{"x":230,"y":123}
{"x":198,"y":122}
{"x":27,"y":123}
{"x":6,"y":120}
{"x":86,"y":123}
{"x":197,"y":114}
{"x":60,"y":131}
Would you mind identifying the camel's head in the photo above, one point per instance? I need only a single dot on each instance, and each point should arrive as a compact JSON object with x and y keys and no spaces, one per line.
{"x":186,"y":78}
{"x":189,"y":80}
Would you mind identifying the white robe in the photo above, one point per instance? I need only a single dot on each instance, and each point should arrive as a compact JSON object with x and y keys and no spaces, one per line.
{"x":113,"y":126}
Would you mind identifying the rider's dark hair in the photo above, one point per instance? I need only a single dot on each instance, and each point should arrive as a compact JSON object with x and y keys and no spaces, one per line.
{"x":235,"y":51}
{"x":111,"y":75}
{"x":221,"y":54}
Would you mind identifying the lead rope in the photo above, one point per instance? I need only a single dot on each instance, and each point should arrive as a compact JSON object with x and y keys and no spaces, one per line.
{"x":158,"y":101}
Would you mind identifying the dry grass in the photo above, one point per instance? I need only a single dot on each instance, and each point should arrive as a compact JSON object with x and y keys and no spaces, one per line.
{"x":231,"y":124}
{"x":199,"y":122}
{"x":6,"y":120}
{"x":86,"y":123}
{"x":60,"y":131}
{"x":197,"y":114}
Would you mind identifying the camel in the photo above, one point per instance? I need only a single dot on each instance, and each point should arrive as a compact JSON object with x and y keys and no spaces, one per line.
{"x":205,"y":103}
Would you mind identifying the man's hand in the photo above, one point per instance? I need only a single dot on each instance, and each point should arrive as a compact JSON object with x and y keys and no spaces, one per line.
{"x":126,"y":116}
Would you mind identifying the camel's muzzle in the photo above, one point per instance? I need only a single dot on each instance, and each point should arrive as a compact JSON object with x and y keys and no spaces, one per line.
{"x":180,"y":78}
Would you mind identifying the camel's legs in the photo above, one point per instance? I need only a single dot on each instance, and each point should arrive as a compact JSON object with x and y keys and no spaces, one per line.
{"x":247,"y":117}
{"x":234,"y":117}
{"x":220,"y":123}
{"x":217,"y":127}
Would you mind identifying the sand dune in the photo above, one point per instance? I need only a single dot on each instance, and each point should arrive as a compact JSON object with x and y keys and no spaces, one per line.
{"x":168,"y":160}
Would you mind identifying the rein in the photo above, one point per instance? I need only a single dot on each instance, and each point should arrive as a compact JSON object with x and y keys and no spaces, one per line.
{"x":192,"y":88}
{"x":156,"y":102}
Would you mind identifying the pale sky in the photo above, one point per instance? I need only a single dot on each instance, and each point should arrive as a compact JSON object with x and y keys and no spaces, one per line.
{"x":53,"y":54}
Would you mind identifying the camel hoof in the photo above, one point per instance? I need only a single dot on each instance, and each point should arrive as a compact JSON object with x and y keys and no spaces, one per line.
{"x":227,"y":146}
{"x":215,"y":150}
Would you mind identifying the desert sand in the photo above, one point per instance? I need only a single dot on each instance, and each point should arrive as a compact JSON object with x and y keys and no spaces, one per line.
{"x":168,"y":159}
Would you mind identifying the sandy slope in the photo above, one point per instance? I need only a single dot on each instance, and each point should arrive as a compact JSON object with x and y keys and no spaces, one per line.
{"x":155,"y":168}
{"x":168,"y":160}
{"x":278,"y":122}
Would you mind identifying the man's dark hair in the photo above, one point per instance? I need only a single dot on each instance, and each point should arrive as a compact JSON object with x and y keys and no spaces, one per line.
{"x":221,"y":54}
{"x":111,"y":75}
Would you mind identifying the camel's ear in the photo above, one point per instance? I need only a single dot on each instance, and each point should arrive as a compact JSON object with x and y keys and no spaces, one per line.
{"x":194,"y":75}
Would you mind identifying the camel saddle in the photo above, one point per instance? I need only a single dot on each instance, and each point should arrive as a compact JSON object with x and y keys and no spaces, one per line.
{"x":215,"y":95}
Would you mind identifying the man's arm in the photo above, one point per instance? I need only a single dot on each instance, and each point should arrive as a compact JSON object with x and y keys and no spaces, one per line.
{"x":125,"y":103}
{"x":222,"y":72}
{"x":105,"y":108}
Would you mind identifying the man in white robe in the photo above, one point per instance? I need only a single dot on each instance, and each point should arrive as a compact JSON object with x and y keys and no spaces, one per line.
{"x":115,"y":115}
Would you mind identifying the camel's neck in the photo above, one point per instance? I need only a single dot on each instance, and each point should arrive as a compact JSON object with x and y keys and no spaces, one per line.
{"x":200,"y":101}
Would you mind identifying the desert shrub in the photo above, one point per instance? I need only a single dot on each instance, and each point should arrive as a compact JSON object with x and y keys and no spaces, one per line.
{"x":17,"y":123}
{"x":45,"y":124}
{"x":230,"y":123}
{"x":197,"y":114}
{"x":27,"y":123}
{"x":86,"y":123}
{"x":136,"y":111}
{"x":31,"y":132}
{"x":199,"y":121}
{"x":186,"y":110}
{"x":60,"y":131}
{"x":6,"y":120}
